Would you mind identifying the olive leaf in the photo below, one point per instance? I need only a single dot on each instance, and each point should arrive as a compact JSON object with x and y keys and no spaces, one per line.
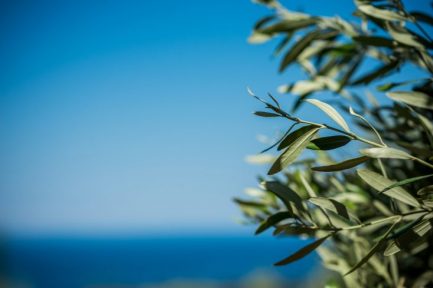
{"x":347,"y":164}
{"x":352,"y":112}
{"x":249,"y":203}
{"x":409,"y":234}
{"x":379,"y":183}
{"x":289,"y":229}
{"x":385,"y":152}
{"x":257,"y":38}
{"x":377,"y":73}
{"x":287,"y":195}
{"x":423,"y":17}
{"x":287,"y":25}
{"x":290,"y":138}
{"x":376,"y":247}
{"x":406,"y":181}
{"x":413,"y":98}
{"x":266,"y":114}
{"x":426,"y":124}
{"x":293,"y":151}
{"x":382,"y":14}
{"x":403,"y":36}
{"x":297,"y":48}
{"x":331,"y":112}
{"x":328,"y":143}
{"x":281,"y":139}
{"x":272,"y":220}
{"x":425,"y":190}
{"x":374,"y":41}
{"x":389,"y":86}
{"x":331,"y":205}
{"x":302,"y":252}
{"x":303,"y":43}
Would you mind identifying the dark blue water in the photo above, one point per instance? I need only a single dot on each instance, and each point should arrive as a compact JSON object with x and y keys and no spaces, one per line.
{"x":80,"y":262}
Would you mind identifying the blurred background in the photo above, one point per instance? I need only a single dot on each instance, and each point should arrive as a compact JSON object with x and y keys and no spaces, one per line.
{"x":124,"y":126}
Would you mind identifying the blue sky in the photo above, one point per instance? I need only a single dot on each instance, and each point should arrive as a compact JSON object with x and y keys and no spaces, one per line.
{"x":130,"y":116}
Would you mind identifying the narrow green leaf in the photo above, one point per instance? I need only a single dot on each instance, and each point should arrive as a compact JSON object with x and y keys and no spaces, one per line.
{"x":412,"y":98}
{"x":428,"y":203}
{"x":331,"y":205}
{"x":424,"y":279}
{"x":385,"y":152}
{"x":260,"y":159}
{"x":406,"y":181}
{"x":263,"y":21}
{"x":282,"y":44}
{"x":313,"y":50}
{"x":268,"y":3}
{"x":303,"y":252}
{"x":379,"y":183}
{"x":251,"y":208}
{"x":258,"y":38}
{"x":385,"y":87}
{"x":425,"y":190}
{"x":275,"y":100}
{"x":425,"y":60}
{"x":347,"y":164}
{"x":293,"y":151}
{"x":295,"y":135}
{"x":272,"y":220}
{"x":391,"y":249}
{"x":331,"y":112}
{"x":379,"y":244}
{"x":405,"y":37}
{"x":389,"y":86}
{"x":422,"y":228}
{"x":382,"y":14}
{"x":423,"y":17}
{"x":352,"y":112}
{"x":249,"y":203}
{"x":266,"y":114}
{"x":303,"y":87}
{"x":426,"y":124}
{"x":328,"y":143}
{"x":423,"y":151}
{"x":297,"y":48}
{"x":281,"y":139}
{"x":329,"y":67}
{"x":376,"y":74}
{"x":409,"y":234}
{"x":351,"y":69}
{"x":287,"y":25}
{"x":307,"y":186}
{"x":290,"y":229}
{"x":303,"y":43}
{"x":287,"y":195}
{"x":404,"y":228}
{"x":374,"y":41}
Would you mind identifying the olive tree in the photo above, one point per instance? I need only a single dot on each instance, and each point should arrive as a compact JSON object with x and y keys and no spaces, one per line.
{"x":369,"y":215}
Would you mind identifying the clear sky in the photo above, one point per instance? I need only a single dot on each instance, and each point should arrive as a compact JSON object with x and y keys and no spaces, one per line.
{"x":131,"y":116}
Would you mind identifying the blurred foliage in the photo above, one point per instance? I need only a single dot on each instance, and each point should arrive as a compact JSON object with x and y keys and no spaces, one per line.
{"x":369,"y":217}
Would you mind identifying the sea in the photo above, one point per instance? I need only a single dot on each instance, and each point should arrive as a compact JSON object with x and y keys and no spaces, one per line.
{"x":152,"y":261}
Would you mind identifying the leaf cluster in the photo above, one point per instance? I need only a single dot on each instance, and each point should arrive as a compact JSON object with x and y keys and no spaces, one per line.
{"x":370,"y":214}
